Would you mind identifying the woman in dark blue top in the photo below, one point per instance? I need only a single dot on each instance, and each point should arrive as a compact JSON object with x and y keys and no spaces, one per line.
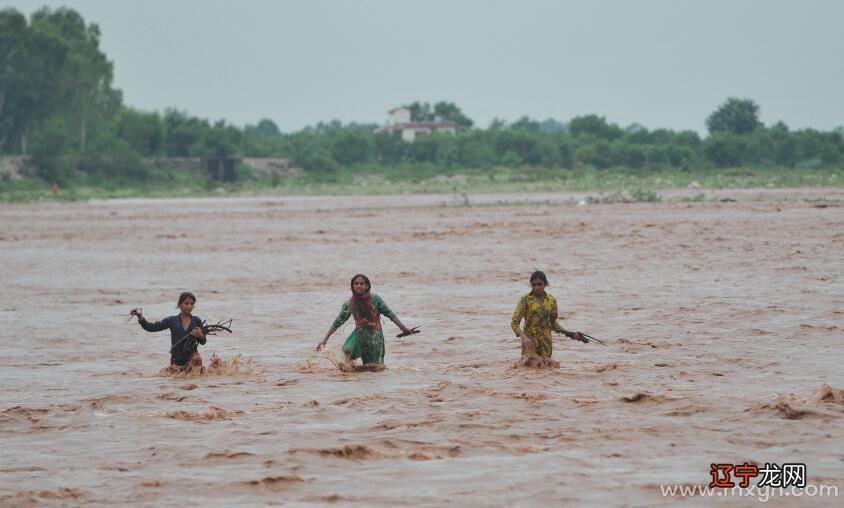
{"x":185,"y":354}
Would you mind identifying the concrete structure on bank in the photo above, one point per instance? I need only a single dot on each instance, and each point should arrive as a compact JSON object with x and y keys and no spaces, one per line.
{"x":17,"y":167}
{"x":224,"y":169}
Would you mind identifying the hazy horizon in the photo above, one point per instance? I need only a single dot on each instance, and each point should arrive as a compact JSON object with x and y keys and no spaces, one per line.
{"x":659,"y":63}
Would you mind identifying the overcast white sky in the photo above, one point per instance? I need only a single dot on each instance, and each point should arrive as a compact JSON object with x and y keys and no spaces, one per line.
{"x":662,"y":63}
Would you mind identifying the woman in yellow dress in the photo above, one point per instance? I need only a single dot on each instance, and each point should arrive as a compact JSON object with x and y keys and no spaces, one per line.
{"x":539,"y":310}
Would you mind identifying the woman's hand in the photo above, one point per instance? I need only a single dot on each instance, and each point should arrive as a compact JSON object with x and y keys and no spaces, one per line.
{"x":405,"y":330}
{"x":197,"y":332}
{"x":527,"y":342}
{"x":321,"y":344}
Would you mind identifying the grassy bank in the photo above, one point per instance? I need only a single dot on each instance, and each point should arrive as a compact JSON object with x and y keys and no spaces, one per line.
{"x":427,"y":179}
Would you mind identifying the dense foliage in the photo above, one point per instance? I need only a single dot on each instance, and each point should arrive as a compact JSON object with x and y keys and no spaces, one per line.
{"x":57,"y":104}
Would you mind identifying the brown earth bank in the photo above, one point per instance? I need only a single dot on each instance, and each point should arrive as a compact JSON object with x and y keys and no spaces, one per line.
{"x":723,"y":321}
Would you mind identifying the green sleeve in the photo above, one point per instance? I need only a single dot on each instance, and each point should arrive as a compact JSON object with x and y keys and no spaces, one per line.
{"x":345,"y":314}
{"x":518,"y":315}
{"x":383,"y":309}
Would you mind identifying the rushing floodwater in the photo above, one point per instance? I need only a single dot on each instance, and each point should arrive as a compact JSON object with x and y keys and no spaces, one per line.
{"x":723,"y":320}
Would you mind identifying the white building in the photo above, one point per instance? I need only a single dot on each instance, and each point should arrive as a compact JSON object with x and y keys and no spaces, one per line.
{"x":400,"y":121}
{"x":399,"y":115}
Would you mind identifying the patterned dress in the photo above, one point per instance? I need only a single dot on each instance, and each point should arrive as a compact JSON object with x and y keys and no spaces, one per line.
{"x":365,"y":342}
{"x":540,"y":321}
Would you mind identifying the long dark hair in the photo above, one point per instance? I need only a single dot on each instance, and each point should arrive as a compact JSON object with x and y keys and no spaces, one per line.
{"x":184,"y":296}
{"x":541,"y":276}
{"x":363,"y":308}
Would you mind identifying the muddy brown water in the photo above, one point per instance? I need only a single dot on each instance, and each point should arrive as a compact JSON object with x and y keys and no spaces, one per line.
{"x":723,"y":321}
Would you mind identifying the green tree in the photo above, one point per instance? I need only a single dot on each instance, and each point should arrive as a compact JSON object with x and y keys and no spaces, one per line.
{"x":111,"y":158}
{"x":86,"y":76}
{"x":425,"y":149}
{"x":597,"y":153}
{"x":318,"y":161}
{"x":525,"y":124}
{"x":144,"y":132}
{"x":723,"y":149}
{"x":736,"y":116}
{"x":687,"y":138}
{"x":596,"y":126}
{"x":549,"y":125}
{"x":450,"y":112}
{"x":522,"y":143}
{"x":636,"y":133}
{"x":680,"y":155}
{"x":267,"y":129}
{"x":13,"y":54}
{"x":448,"y":154}
{"x":351,"y":147}
{"x":442,"y":111}
{"x":497,"y":124}
{"x":627,"y":154}
{"x":181,"y":132}
{"x":50,"y":142}
{"x":565,"y":152}
{"x":544,"y":153}
{"x":220,"y":141}
{"x":827,"y":148}
{"x":784,"y":145}
{"x":511,"y":159}
{"x":390,"y":149}
{"x":421,"y":112}
{"x":264,"y":140}
{"x":475,"y":150}
{"x":30,"y":92}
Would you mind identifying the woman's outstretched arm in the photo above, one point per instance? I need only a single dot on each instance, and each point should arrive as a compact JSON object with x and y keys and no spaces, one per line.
{"x":345,"y":314}
{"x":558,"y":328}
{"x":157,"y":326}
{"x":385,"y":311}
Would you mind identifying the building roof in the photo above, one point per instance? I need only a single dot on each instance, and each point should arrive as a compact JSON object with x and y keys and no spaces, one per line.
{"x":425,"y":125}
{"x":396,"y":109}
{"x":393,"y":127}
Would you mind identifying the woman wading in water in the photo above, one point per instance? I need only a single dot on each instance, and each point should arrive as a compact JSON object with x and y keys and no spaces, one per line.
{"x":367,"y":340}
{"x":539,"y":310}
{"x":184,"y":354}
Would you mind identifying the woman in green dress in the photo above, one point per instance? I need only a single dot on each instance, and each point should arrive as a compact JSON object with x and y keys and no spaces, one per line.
{"x":367,"y":340}
{"x":539,"y":310}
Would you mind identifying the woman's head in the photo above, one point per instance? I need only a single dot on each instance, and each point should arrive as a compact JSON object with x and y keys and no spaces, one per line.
{"x":360,"y":284}
{"x":538,"y":282}
{"x":186,"y":302}
{"x":362,"y":306}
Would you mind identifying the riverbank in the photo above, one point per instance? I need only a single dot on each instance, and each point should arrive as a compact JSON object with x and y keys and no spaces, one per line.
{"x":636,"y":185}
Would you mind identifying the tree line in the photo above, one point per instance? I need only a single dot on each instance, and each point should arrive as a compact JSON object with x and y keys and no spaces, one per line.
{"x":58,"y":104}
